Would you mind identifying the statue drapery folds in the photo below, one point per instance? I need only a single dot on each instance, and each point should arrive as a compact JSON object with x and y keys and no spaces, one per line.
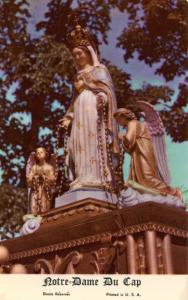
{"x":92,"y":148}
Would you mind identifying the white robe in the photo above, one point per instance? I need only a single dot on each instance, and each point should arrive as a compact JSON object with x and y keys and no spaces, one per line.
{"x":83,"y":145}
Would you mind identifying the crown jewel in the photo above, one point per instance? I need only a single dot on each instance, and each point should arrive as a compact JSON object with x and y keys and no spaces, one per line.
{"x":79,"y":36}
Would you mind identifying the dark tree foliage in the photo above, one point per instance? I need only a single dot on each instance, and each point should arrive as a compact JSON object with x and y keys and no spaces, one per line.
{"x":178,"y":115}
{"x":157,"y":30}
{"x":13,"y":206}
{"x":38,"y":69}
{"x":96,"y":14}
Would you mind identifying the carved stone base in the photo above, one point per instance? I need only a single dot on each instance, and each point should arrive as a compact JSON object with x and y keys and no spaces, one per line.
{"x":86,"y":209}
{"x":88,"y":238}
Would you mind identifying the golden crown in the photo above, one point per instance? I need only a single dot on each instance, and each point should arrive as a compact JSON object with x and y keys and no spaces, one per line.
{"x":79,"y":36}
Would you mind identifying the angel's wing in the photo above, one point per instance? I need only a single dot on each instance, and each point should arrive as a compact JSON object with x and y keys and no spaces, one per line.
{"x":157,"y":132}
{"x":31,"y":161}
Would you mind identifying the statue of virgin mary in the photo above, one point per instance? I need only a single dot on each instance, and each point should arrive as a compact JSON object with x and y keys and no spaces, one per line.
{"x":92,"y":152}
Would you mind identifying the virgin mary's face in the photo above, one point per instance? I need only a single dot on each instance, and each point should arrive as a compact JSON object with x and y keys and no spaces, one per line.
{"x":81,"y":57}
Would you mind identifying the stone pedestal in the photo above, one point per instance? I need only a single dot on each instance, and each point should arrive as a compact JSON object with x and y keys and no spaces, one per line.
{"x":95,"y":237}
{"x":73,"y":196}
{"x":78,"y":210}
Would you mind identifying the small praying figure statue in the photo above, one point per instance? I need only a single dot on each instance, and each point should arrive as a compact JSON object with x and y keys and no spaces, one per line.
{"x":40,"y":174}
